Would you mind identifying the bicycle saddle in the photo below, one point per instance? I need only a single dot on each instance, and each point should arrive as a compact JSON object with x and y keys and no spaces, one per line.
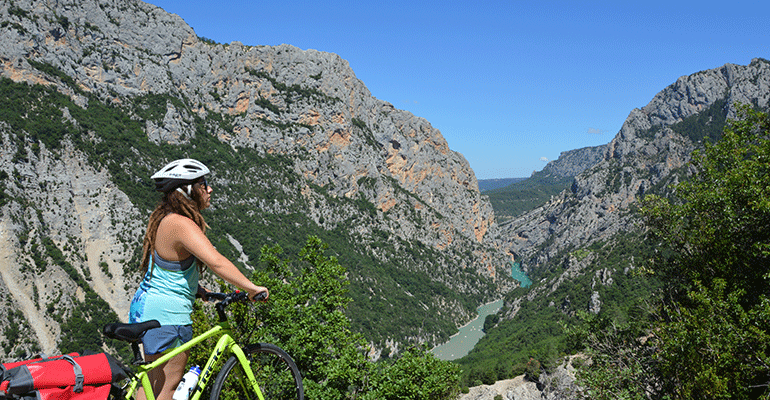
{"x":131,"y":333}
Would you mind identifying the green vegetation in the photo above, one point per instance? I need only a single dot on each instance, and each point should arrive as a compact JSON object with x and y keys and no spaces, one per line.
{"x":293,"y":93}
{"x":258,"y":200}
{"x":55,"y":72}
{"x":305,"y":315}
{"x":210,"y":42}
{"x":707,"y":335}
{"x":491,"y":184}
{"x":705,"y":126}
{"x":367,"y":133}
{"x":82,"y":329}
{"x":536,"y":335}
{"x":554,"y":325}
{"x":14,"y":328}
{"x":516,"y":199}
{"x":267,"y":105}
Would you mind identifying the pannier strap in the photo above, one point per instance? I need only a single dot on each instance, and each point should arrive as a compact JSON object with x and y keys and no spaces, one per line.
{"x":78,"y":374}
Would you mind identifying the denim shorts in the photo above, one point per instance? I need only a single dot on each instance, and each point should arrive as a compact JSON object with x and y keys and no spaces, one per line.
{"x":165,"y":338}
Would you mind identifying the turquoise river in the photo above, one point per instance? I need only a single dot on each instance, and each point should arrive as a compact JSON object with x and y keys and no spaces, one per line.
{"x":469,"y":334}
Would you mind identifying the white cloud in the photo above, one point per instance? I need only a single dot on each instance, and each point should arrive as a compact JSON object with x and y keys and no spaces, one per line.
{"x":544,"y":159}
{"x":594,"y":131}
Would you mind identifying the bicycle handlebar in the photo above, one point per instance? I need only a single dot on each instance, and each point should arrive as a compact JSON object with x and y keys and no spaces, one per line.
{"x":236,"y":296}
{"x":226,"y":298}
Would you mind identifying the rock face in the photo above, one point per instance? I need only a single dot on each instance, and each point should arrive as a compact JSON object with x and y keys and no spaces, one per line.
{"x":303,"y":105}
{"x":651,"y":144}
{"x":574,"y":162}
{"x":579,"y":248}
{"x":131,"y":48}
{"x":558,"y":385}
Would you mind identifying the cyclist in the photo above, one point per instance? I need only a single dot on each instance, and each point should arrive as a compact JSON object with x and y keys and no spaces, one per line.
{"x":175,"y":251}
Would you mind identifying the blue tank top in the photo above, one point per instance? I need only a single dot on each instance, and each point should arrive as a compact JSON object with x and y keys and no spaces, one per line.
{"x":167,"y":292}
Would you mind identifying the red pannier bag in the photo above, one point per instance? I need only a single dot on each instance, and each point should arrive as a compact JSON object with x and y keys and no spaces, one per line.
{"x":65,"y":377}
{"x":39,"y":357}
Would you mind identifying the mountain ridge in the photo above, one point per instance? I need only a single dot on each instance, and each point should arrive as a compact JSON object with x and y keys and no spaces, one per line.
{"x":645,"y":144}
{"x":584,"y":248}
{"x":524,"y":195}
{"x":107,"y":91}
{"x":496,"y":183}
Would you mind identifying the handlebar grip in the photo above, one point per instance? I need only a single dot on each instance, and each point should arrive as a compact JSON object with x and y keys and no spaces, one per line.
{"x":215,"y":296}
{"x":260,"y":296}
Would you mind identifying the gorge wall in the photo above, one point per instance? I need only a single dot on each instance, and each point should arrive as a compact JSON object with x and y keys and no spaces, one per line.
{"x":99,"y":94}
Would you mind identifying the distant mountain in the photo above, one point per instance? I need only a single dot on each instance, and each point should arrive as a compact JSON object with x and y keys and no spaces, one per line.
{"x":573,"y":162}
{"x":582,"y":247}
{"x":491,"y":184}
{"x":524,"y":195}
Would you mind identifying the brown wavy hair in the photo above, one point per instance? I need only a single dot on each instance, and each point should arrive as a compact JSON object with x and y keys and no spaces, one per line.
{"x":177,"y":203}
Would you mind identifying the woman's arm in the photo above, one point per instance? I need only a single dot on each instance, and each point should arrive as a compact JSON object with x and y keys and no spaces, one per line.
{"x":190,"y":236}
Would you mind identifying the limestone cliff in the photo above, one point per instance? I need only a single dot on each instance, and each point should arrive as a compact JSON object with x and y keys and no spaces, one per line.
{"x":584,"y":248}
{"x":651,"y":151}
{"x":109,"y":90}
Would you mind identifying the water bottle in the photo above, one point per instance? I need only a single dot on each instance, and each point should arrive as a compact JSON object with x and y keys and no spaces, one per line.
{"x":189,"y":380}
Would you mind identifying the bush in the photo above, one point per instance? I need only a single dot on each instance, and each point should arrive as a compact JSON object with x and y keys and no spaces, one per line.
{"x":306,"y":317}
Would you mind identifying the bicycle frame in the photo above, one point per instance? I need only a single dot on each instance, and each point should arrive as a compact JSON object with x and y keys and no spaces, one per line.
{"x":226,"y":345}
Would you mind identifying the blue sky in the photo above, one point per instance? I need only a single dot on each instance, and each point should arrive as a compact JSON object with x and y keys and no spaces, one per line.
{"x":510,"y":84}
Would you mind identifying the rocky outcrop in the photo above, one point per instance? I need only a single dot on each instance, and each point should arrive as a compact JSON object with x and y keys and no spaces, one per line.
{"x":518,"y":388}
{"x":560,"y":384}
{"x":574,"y":162}
{"x":84,"y":215}
{"x":583,"y":247}
{"x":124,"y":49}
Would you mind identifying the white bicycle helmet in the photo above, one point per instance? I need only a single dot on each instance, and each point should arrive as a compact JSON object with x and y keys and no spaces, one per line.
{"x":179,"y":173}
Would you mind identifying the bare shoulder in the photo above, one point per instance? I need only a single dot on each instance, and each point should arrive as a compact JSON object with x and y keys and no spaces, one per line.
{"x":179,"y":222}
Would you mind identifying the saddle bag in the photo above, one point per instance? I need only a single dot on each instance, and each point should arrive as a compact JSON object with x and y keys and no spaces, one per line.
{"x":69,"y":376}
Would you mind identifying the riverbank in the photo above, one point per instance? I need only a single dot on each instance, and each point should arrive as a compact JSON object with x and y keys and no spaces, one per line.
{"x":468,"y":335}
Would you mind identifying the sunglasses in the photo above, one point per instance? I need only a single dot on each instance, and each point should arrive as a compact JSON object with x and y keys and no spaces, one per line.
{"x":204,"y":183}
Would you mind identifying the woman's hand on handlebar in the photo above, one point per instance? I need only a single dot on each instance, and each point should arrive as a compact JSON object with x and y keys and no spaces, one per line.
{"x":260,"y":294}
{"x":202,"y":293}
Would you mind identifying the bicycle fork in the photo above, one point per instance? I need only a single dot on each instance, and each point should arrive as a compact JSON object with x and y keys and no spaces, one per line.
{"x":226,"y":346}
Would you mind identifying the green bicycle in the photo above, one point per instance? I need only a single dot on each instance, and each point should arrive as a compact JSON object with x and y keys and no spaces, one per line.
{"x":256,"y":371}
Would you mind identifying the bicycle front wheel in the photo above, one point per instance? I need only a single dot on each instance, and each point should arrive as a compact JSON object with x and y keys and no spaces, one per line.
{"x":277,"y":375}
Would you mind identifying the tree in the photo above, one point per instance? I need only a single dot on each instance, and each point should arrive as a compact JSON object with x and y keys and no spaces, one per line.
{"x":708,"y":334}
{"x":714,"y":333}
{"x":305,"y":316}
{"x":416,"y":374}
{"x":622,"y":358}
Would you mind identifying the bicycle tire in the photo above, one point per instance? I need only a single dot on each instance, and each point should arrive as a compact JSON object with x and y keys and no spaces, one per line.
{"x":276,"y":373}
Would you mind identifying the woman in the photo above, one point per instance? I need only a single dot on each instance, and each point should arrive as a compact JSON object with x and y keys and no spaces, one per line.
{"x":175,"y":250}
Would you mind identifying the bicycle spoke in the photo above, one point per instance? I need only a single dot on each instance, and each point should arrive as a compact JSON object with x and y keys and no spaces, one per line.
{"x":275,"y":372}
{"x":275,"y":376}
